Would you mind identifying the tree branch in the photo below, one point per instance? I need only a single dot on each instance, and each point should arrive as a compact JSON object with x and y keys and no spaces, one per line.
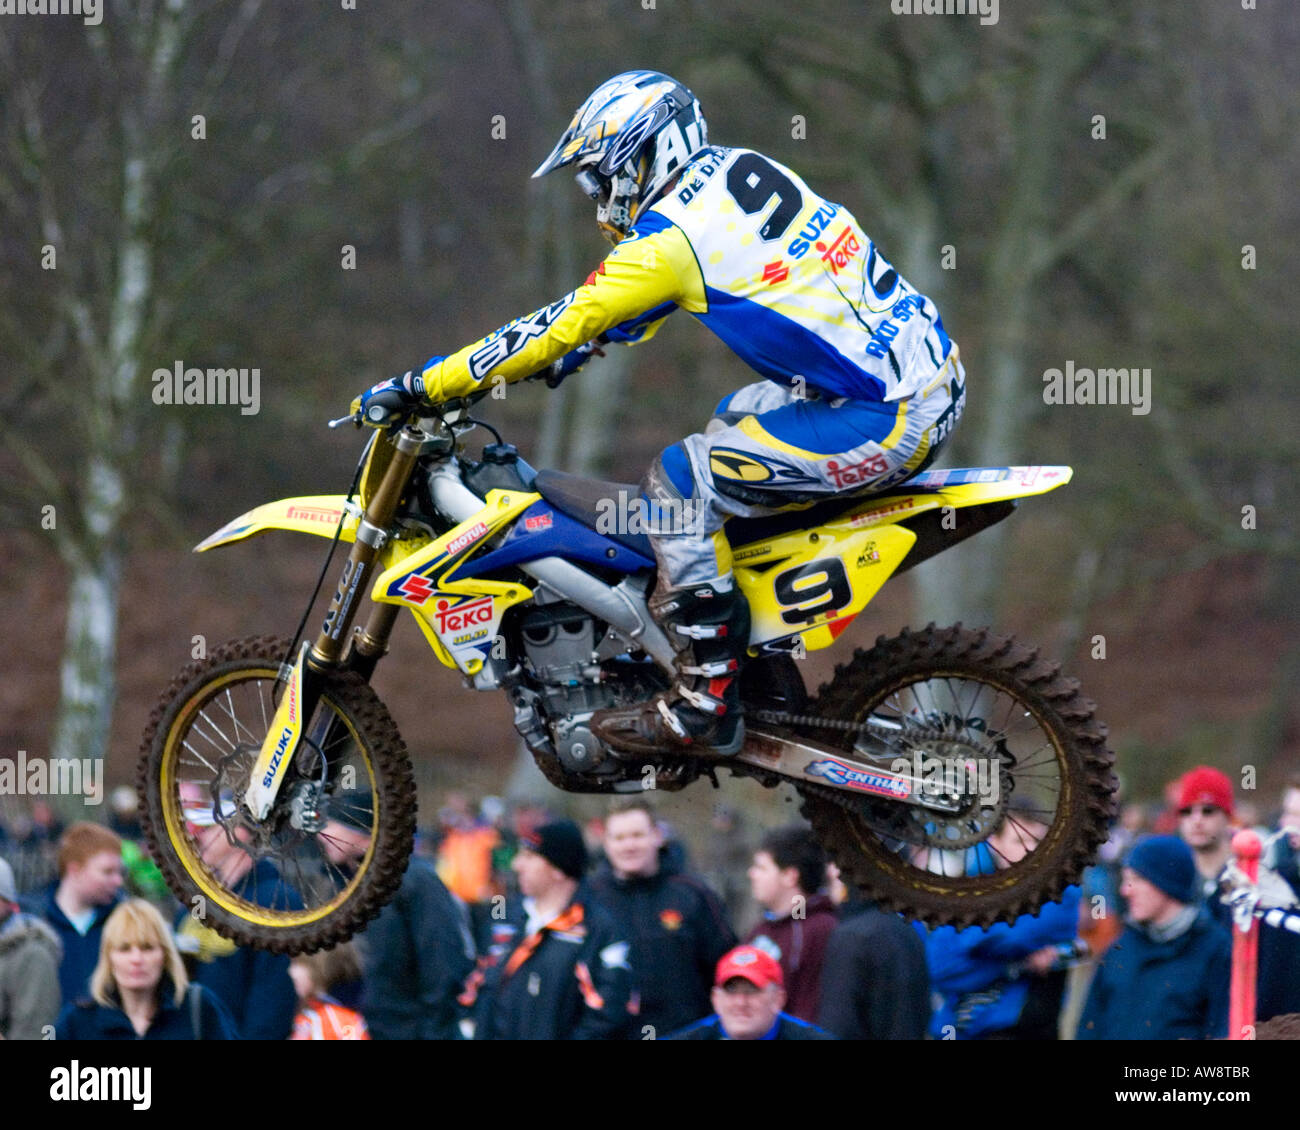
{"x":45,"y":480}
{"x":1101,"y":206}
{"x":1200,"y":506}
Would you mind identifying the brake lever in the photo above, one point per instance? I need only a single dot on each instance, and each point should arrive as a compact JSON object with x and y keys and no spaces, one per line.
{"x":355,"y":418}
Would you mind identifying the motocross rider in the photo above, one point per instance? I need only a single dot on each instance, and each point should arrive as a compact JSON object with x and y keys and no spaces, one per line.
{"x":862,"y":385}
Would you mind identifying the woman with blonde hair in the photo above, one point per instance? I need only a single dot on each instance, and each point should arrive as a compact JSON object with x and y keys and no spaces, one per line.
{"x":139,"y":989}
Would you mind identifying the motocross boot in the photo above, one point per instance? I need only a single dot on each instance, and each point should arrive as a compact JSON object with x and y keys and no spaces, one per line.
{"x":708,"y":627}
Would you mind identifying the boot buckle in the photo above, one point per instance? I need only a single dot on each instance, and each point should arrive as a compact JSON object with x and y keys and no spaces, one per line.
{"x":704,"y":702}
{"x":701,"y":631}
{"x":673,"y":722}
{"x":712,"y":670}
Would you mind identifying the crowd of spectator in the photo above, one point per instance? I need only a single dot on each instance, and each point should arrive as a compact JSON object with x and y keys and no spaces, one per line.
{"x":511,"y":924}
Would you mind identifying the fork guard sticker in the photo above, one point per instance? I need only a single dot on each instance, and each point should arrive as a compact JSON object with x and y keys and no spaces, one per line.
{"x":280,"y":744}
{"x":860,"y":780}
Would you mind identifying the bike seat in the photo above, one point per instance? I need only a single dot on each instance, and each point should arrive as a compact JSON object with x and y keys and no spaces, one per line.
{"x":605,"y":506}
{"x":598,"y":504}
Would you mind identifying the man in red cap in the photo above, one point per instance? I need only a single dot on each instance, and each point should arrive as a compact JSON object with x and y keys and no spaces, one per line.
{"x":1204,"y":816}
{"x":748,"y":994}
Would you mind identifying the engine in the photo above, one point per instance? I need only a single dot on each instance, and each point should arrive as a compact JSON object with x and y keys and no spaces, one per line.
{"x":578,"y":666}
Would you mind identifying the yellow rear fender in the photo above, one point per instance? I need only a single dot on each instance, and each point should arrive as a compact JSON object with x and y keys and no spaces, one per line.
{"x":805,"y":587}
{"x":963,"y":486}
{"x":317,"y":514}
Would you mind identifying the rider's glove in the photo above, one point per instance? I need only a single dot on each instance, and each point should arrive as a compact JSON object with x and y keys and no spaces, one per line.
{"x":394,"y":399}
{"x":569,"y":364}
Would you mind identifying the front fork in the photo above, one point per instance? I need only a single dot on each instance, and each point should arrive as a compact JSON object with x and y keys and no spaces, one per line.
{"x":306,"y":679}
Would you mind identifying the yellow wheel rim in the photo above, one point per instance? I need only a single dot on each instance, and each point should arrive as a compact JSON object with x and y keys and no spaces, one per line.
{"x":183,"y":845}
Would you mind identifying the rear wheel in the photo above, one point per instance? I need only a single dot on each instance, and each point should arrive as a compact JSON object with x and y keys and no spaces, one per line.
{"x":334,"y":847}
{"x":1009,"y":748}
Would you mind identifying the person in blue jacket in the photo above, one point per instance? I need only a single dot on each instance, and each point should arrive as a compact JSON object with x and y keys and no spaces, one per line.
{"x":139,"y":989}
{"x":748,"y":1003}
{"x":1166,"y":977}
{"x":1007,"y":981}
{"x":253,"y":984}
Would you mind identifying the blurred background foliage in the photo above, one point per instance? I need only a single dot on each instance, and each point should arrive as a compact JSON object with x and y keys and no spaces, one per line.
{"x":974,"y":155}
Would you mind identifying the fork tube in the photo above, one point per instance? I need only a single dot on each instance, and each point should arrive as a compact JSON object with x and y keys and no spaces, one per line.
{"x":359,"y":567}
{"x":370,"y":644}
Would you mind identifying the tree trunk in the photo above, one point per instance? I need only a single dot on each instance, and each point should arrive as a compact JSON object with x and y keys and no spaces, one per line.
{"x":87,"y":679}
{"x":968,"y":585}
{"x":93,"y":546}
{"x":599,"y":393}
{"x":550,"y":259}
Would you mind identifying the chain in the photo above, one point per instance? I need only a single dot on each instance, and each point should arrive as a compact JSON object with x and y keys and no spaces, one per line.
{"x":888,"y":733}
{"x":785,"y":718}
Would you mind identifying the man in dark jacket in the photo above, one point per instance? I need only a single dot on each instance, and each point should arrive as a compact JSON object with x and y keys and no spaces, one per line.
{"x":416,"y":956}
{"x":788,"y":871}
{"x":875,"y":985}
{"x":748,"y":996}
{"x":674,"y":923}
{"x":253,"y":984}
{"x":1205,"y":818}
{"x":79,"y":903}
{"x":1286,"y":850}
{"x":1166,"y":977}
{"x":558,"y":969}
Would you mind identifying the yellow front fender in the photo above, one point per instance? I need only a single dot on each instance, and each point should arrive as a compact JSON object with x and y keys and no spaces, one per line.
{"x":317,"y":514}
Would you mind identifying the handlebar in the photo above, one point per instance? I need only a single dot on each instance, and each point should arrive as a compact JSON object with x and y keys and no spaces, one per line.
{"x":449,"y":414}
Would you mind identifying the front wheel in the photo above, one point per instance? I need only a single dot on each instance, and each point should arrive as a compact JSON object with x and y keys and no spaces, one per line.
{"x":332,"y":850}
{"x":1007,"y":746}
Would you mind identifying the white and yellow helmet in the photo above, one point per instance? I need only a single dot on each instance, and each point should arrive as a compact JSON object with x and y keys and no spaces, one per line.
{"x":629,"y":139}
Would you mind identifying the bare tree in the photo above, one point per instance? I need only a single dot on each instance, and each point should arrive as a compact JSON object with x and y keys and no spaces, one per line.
{"x":130,"y":236}
{"x":106,"y":306}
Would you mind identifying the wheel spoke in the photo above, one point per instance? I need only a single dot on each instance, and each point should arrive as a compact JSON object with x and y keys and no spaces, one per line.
{"x":203,"y":714}
{"x":196,"y":753}
{"x":230,"y":709}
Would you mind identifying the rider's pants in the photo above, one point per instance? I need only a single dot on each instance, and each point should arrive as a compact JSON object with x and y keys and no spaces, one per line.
{"x":768,"y":448}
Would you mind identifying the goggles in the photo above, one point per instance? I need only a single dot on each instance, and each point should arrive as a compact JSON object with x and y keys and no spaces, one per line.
{"x":592,"y":185}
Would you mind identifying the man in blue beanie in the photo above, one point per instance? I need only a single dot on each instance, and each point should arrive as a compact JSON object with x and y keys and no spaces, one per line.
{"x":1166,"y":977}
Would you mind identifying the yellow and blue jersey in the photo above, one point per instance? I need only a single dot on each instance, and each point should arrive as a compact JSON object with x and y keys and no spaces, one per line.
{"x":787,"y":279}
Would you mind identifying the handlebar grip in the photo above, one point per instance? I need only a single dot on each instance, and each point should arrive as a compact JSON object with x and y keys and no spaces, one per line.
{"x":385,"y":407}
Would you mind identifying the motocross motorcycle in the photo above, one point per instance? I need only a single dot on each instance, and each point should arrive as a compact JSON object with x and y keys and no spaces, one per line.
{"x":954,"y":775}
